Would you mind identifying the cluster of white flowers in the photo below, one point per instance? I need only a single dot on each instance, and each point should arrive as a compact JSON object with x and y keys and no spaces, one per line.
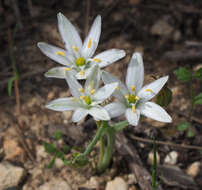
{"x":79,"y":63}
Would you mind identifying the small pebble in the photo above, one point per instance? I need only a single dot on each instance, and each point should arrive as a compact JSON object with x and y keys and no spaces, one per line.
{"x":150,"y":158}
{"x":171,"y":158}
{"x":117,"y":184}
{"x":193,"y":169}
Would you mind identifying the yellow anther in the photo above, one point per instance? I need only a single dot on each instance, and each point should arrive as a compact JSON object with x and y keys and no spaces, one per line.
{"x":132,"y":88}
{"x":82,"y":73}
{"x":67,"y":68}
{"x":148,"y":90}
{"x":89,"y":42}
{"x":118,"y":88}
{"x":127,"y":96}
{"x":97,"y":60}
{"x":75,"y":48}
{"x":81,"y":90}
{"x":137,"y":98}
{"x":92,"y":91}
{"x":60,"y":53}
{"x":82,"y":97}
{"x":133,"y":109}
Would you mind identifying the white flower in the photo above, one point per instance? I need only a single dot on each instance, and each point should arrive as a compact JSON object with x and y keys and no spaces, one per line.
{"x":78,"y":57}
{"x":85,"y":100}
{"x":134,"y":99}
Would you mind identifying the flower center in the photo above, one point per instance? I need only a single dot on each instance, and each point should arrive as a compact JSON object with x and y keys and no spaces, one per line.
{"x":80,"y":61}
{"x":132,"y":99}
{"x":86,"y":99}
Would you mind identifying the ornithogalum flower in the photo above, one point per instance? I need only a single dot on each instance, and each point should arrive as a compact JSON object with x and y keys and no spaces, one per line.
{"x":85,"y":100}
{"x":133,"y":98}
{"x":77,"y":56}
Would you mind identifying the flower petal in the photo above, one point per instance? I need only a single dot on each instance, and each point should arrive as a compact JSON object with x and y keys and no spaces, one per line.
{"x":135,"y":72}
{"x":152,"y":89}
{"x":133,"y":118}
{"x":56,"y":72}
{"x":69,"y":34}
{"x":154,"y":111}
{"x":107,"y":78}
{"x":92,"y":40}
{"x":105,"y":92}
{"x":99,"y":113}
{"x":93,"y":79}
{"x":79,"y":114}
{"x":115,"y":109}
{"x":109,"y":56}
{"x":63,"y":104}
{"x":74,"y":85}
{"x":52,"y":52}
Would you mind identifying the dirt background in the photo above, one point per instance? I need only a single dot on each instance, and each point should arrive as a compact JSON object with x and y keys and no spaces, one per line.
{"x":167,"y":33}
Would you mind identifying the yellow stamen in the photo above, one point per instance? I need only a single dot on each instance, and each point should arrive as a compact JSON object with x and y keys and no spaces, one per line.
{"x":148,"y":90}
{"x":82,"y":73}
{"x":60,"y":53}
{"x":127,"y":96}
{"x":97,"y":60}
{"x":68,"y":69}
{"x":81,"y":90}
{"x":75,"y":48}
{"x":132,"y":88}
{"x":89,"y":43}
{"x":82,"y":97}
{"x":133,"y":109}
{"x":118,"y":88}
{"x":137,"y":98}
{"x":92,"y":91}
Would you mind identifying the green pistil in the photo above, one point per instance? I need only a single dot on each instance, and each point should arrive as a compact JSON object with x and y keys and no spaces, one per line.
{"x":132,"y":98}
{"x":80,"y":61}
{"x":87,"y":99}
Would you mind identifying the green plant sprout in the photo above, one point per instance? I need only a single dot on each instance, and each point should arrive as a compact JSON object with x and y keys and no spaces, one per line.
{"x":132,"y":99}
{"x":188,"y":76}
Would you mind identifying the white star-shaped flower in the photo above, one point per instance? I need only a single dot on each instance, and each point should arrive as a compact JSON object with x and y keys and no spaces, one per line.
{"x":133,"y":98}
{"x":85,"y":100}
{"x":77,"y":56}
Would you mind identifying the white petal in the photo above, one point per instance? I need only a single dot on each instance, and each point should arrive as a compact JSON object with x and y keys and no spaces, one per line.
{"x":79,"y":114}
{"x":63,"y":104}
{"x":74,"y":85}
{"x":51,"y":52}
{"x":115,"y":109}
{"x":105,"y":92}
{"x":154,"y":111}
{"x":109,"y":56}
{"x":152,"y":89}
{"x":135,"y":72}
{"x":91,"y":41}
{"x":93,"y":79}
{"x":99,"y":113}
{"x":133,"y":118}
{"x":56,"y":72}
{"x":69,"y":34}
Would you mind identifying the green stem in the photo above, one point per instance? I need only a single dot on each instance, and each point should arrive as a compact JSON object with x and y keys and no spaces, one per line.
{"x":192,"y":99}
{"x":110,"y":134}
{"x":102,"y":149}
{"x":95,"y":139}
{"x":120,"y":125}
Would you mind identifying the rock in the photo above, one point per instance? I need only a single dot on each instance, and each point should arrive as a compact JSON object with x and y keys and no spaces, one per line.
{"x":131,"y":179}
{"x":10,"y":176}
{"x":193,"y":169}
{"x":117,"y":184}
{"x":171,"y":158}
{"x":162,"y":28}
{"x":93,"y":183}
{"x":150,"y":158}
{"x":59,"y":163}
{"x":41,"y":153}
{"x":55,"y":184}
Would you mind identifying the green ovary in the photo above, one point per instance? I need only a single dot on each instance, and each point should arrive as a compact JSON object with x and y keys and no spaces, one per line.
{"x":88,"y":100}
{"x":132,"y":98}
{"x":80,"y":61}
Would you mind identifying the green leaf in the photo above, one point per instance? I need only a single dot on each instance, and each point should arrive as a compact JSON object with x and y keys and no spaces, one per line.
{"x":183,"y":126}
{"x":183,"y":74}
{"x":57,"y":135}
{"x":198,"y":74}
{"x":60,"y":155}
{"x":10,"y":85}
{"x":50,"y":148}
{"x":51,"y":163}
{"x":66,"y":149}
{"x":190,"y":133}
{"x":198,"y":99}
